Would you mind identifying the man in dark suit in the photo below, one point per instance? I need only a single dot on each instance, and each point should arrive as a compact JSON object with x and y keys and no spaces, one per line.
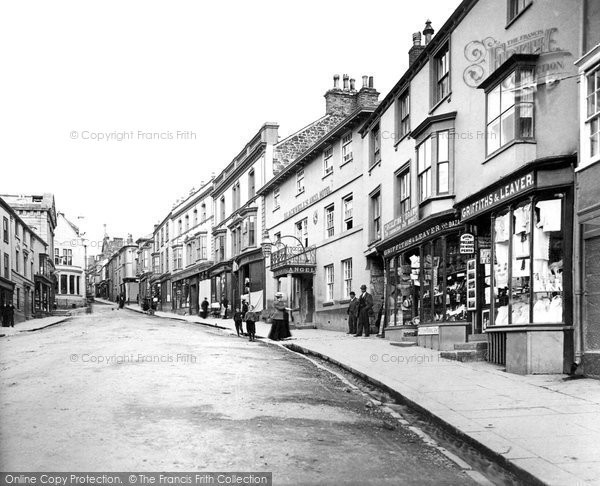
{"x":352,"y":313}
{"x":365,"y":307}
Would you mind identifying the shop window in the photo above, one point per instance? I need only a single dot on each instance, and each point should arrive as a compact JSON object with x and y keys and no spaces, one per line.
{"x":455,"y":280}
{"x":347,"y":274}
{"x":329,"y":283}
{"x":424,"y":169}
{"x":329,"y":220}
{"x":347,"y":148}
{"x":593,"y":111}
{"x":348,"y":212}
{"x":427,"y":268}
{"x":528,"y":269}
{"x":510,"y":109}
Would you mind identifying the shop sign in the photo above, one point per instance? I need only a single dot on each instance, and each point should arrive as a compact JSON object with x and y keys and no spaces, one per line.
{"x":467,"y":244}
{"x":497,"y":197}
{"x":484,"y":242}
{"x":422,"y":236}
{"x":429,"y":330}
{"x":307,"y":202}
{"x":295,"y":269}
{"x":485,"y":256}
{"x":395,"y":225}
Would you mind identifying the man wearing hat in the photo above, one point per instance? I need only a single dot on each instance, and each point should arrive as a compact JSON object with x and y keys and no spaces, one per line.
{"x":365,"y":307}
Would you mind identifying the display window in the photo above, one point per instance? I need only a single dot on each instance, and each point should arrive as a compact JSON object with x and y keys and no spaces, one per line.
{"x":528,"y":263}
{"x":427,"y":284}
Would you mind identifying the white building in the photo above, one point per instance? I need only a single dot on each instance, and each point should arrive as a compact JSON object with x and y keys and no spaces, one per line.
{"x":69,"y":261}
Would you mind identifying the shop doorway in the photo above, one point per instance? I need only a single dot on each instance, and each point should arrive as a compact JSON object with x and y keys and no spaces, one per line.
{"x":303,"y":299}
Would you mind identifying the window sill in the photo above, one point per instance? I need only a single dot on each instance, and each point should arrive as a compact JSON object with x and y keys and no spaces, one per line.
{"x":371,"y":167}
{"x":329,"y":174}
{"x":344,"y":301}
{"x":346,"y":163}
{"x":300,"y":193}
{"x":438,"y":103}
{"x":329,"y":303}
{"x":436,"y":198}
{"x":401,"y":139}
{"x":506,"y":147}
{"x":276,"y":209}
{"x":513,"y":20}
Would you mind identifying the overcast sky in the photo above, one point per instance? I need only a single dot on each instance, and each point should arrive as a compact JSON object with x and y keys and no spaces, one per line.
{"x":218,"y":70}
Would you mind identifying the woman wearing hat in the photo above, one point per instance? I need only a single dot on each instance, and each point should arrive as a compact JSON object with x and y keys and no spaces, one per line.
{"x":279,"y":330}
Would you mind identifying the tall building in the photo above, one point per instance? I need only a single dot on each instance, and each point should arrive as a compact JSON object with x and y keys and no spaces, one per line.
{"x":70,"y":264}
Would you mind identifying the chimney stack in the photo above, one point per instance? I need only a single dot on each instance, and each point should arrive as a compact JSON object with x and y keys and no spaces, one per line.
{"x":352,"y":84}
{"x":368,"y":95}
{"x":416,"y":49}
{"x":340,"y":101}
{"x":428,"y":32}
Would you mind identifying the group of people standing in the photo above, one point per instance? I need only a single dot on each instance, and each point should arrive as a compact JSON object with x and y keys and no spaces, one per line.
{"x":7,"y":313}
{"x":246,"y":313}
{"x":359,"y":310}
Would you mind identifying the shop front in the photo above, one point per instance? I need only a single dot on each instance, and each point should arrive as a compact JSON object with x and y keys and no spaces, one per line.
{"x":249,"y":276}
{"x":293,"y":269}
{"x":426,"y":284}
{"x":186,"y":286}
{"x":522,"y":281}
{"x":42,"y":295}
{"x":221,"y":285}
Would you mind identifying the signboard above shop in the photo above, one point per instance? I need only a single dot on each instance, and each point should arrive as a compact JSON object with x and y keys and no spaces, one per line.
{"x":467,"y":244}
{"x":491,"y":199}
{"x":397,"y":224}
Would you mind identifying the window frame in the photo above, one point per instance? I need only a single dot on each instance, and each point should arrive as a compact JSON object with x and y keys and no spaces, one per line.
{"x":590,"y":119}
{"x":276,"y":195}
{"x":403,"y":189}
{"x":375,"y":228}
{"x":348,"y":220}
{"x":375,"y":138}
{"x":403,"y":115}
{"x":347,"y":154}
{"x":329,"y":221}
{"x":300,"y":182}
{"x":519,"y":99}
{"x":442,"y":53}
{"x":329,"y":282}
{"x":328,"y":161}
{"x":347,"y":277}
{"x":425,"y":168}
{"x":513,"y":13}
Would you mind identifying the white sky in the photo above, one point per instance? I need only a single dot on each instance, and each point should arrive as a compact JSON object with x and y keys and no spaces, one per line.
{"x":219,"y":70}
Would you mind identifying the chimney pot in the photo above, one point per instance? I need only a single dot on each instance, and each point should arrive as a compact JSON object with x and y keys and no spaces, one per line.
{"x":370,"y":81}
{"x":417,"y":39}
{"x":352,"y":84}
{"x":346,"y":77}
{"x":365,"y":81}
{"x":428,"y":31}
{"x":336,"y":81}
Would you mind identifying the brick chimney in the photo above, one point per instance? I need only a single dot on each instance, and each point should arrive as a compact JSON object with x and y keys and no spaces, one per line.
{"x":340,"y":101}
{"x":368,"y":95}
{"x":416,"y":48}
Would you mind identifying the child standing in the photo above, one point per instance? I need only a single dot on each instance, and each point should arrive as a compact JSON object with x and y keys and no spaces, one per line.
{"x":238,"y":318}
{"x":250,"y":319}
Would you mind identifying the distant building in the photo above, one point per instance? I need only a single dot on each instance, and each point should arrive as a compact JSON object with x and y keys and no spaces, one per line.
{"x":69,"y":262}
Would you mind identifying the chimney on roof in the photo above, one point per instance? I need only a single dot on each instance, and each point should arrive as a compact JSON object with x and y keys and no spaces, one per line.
{"x":340,"y":101}
{"x":416,"y":49}
{"x":428,"y":32}
{"x":129,"y":239}
{"x":368,"y":95}
{"x":352,"y":84}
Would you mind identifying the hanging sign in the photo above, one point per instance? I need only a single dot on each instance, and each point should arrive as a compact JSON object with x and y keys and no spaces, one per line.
{"x":467,"y":244}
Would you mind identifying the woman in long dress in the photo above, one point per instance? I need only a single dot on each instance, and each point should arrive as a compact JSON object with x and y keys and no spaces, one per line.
{"x":277,"y":318}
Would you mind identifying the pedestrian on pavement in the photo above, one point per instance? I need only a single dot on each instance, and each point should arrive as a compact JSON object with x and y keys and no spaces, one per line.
{"x":352,"y":313}
{"x":204,"y":306}
{"x":3,"y":316}
{"x":225,"y":304}
{"x":278,"y":330}
{"x":238,"y":318}
{"x":251,"y":318}
{"x":244,"y":306}
{"x":365,"y":308}
{"x":11,"y":315}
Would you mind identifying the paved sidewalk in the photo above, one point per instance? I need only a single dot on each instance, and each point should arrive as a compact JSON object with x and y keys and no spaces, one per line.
{"x":32,"y":325}
{"x":547,"y":426}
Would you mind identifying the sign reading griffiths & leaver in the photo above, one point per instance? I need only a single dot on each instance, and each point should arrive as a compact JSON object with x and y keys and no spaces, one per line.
{"x":498,"y":196}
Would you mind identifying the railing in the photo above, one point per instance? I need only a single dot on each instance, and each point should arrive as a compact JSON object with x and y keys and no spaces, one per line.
{"x":497,"y":347}
{"x":294,"y":255}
